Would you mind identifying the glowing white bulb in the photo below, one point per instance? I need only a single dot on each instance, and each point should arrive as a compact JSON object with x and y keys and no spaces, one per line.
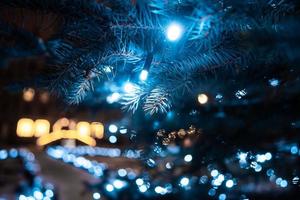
{"x":229,"y":183}
{"x":139,"y":181}
{"x":109,"y":187}
{"x":122,"y":172}
{"x":96,"y":195}
{"x":113,"y":128}
{"x":112,"y":139}
{"x":188,"y":158}
{"x":202,"y":98}
{"x":214,"y":173}
{"x":143,"y":75}
{"x":184,"y":181}
{"x":160,"y":190}
{"x":143,"y":188}
{"x":128,"y":87}
{"x":119,"y":184}
{"x":174,"y":32}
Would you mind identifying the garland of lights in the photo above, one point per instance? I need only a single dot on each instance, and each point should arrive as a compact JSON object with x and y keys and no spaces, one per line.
{"x":223,"y":184}
{"x":149,"y":54}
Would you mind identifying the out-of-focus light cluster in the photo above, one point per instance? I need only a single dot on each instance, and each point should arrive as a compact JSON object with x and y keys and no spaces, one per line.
{"x":98,"y":151}
{"x":247,"y":159}
{"x":145,"y":185}
{"x":38,"y":190}
{"x":83,"y":131}
{"x":93,"y":167}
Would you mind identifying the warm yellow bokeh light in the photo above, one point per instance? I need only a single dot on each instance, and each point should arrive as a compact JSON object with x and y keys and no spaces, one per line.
{"x":42,"y":127}
{"x":72,"y":125}
{"x":97,"y":130}
{"x":64,"y":122}
{"x":83,"y":128}
{"x":28,"y":94}
{"x":25,"y":127}
{"x":61,"y":123}
{"x":202,"y":98}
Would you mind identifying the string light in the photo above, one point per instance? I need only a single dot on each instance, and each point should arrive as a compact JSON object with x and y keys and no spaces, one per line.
{"x":174,"y":32}
{"x":143,"y":75}
{"x":202,"y":98}
{"x":128,"y":87}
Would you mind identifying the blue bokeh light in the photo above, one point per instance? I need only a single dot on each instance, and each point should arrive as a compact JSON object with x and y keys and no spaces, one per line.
{"x":174,"y":31}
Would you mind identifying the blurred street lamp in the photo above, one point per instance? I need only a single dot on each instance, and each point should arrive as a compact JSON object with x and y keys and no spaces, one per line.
{"x":25,"y":127}
{"x":42,"y":127}
{"x":97,"y":130}
{"x":83,"y":128}
{"x":28,"y":94}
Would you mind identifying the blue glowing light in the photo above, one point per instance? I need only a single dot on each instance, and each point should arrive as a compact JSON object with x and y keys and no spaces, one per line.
{"x":188,"y":158}
{"x":49,"y":193}
{"x":131,"y":175}
{"x":114,"y":97}
{"x":113,"y":128}
{"x":113,"y":139}
{"x":229,"y":183}
{"x":170,"y":115}
{"x":222,"y":196}
{"x":109,"y":188}
{"x":218,"y":181}
{"x":268,"y":156}
{"x":128,"y":87}
{"x":118,"y":184}
{"x":22,"y":197}
{"x":278,"y":181}
{"x":214,"y":173}
{"x":294,"y":150}
{"x":168,"y":165}
{"x":274,"y":82}
{"x":160,"y":190}
{"x":38,"y":195}
{"x":258,"y":168}
{"x":123,"y":130}
{"x":143,"y":75}
{"x":174,"y":32}
{"x":122,"y":172}
{"x":212,"y":192}
{"x":283,"y":183}
{"x":96,"y":195}
{"x":143,"y":188}
{"x":270,"y":172}
{"x":13,"y":153}
{"x":139,"y":181}
{"x":3,"y":154}
{"x":261,"y":158}
{"x":184,"y":181}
